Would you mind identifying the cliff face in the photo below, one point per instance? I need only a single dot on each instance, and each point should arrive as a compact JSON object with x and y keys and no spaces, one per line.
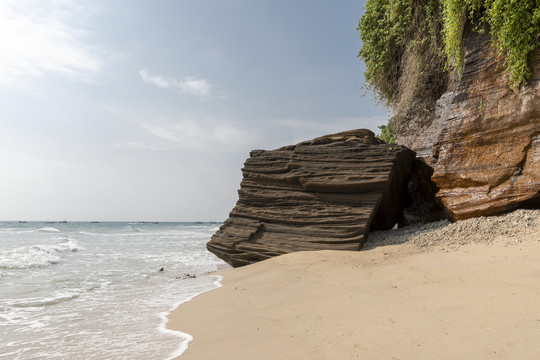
{"x":326,"y":193}
{"x":483,"y":139}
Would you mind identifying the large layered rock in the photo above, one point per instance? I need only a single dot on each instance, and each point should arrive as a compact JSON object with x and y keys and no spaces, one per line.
{"x":488,"y":151}
{"x":484,"y":140}
{"x":326,"y":193}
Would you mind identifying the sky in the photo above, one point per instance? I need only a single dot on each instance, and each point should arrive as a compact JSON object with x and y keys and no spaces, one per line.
{"x":136,"y":110}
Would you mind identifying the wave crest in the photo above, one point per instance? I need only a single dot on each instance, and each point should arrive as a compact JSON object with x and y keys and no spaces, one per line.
{"x":53,"y":300}
{"x":37,"y":255}
{"x":48,"y":229}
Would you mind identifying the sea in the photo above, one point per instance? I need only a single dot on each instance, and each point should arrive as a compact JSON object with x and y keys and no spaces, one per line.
{"x":99,"y":290}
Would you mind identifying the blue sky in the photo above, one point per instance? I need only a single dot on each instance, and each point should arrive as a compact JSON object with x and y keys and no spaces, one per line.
{"x":146,"y":110}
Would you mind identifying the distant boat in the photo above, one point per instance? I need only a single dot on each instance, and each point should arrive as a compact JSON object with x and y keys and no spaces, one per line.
{"x":22,"y":222}
{"x":62,"y":222}
{"x":94,"y":222}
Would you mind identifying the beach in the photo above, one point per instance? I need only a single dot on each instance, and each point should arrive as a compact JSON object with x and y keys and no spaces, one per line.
{"x":466,"y":290}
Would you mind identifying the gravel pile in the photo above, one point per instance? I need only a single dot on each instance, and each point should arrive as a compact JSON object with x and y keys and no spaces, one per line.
{"x":513,"y":228}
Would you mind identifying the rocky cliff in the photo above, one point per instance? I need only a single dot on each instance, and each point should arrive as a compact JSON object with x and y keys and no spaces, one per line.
{"x":483,"y":139}
{"x":326,"y":193}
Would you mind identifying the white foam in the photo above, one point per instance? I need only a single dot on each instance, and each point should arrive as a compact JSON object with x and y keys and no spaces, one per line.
{"x":37,"y":255}
{"x":48,"y":229}
{"x":67,"y":245}
{"x":10,"y":317}
{"x":27,"y":257}
{"x":134,"y":229}
{"x":43,"y":229}
{"x":187,"y":338}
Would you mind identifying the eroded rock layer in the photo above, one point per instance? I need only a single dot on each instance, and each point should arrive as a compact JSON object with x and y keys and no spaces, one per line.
{"x":321,"y":194}
{"x":483,"y":139}
{"x":487,"y":155}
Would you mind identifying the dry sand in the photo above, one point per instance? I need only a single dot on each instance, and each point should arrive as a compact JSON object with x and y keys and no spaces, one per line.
{"x":468,"y":290}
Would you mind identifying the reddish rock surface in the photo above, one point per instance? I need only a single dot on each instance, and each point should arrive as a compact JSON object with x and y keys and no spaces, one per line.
{"x":326,"y":193}
{"x":488,"y":150}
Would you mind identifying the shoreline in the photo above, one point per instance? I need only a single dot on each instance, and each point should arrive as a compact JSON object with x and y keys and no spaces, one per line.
{"x":468,"y":289}
{"x":165,"y":318}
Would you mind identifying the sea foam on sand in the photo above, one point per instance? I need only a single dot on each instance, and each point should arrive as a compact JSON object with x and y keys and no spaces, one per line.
{"x":468,"y":290}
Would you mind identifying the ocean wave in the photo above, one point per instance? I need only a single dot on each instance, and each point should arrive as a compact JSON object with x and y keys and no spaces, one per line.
{"x":37,"y":255}
{"x":28,"y":231}
{"x":48,"y":229}
{"x":134,"y":229}
{"x":38,"y":302}
{"x":43,"y":229}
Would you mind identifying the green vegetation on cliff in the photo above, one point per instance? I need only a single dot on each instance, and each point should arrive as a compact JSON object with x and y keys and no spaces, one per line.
{"x":515,"y":30}
{"x":409,"y":44}
{"x":388,"y":132}
{"x":403,"y":50}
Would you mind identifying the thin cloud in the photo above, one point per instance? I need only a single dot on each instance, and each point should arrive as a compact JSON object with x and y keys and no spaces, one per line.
{"x":194,"y":86}
{"x":223,"y":135}
{"x":36,"y":39}
{"x":202,"y":135}
{"x":190,"y":85}
{"x":155,"y":80}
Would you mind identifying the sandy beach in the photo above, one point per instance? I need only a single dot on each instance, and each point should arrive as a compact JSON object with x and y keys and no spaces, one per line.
{"x":468,"y":290}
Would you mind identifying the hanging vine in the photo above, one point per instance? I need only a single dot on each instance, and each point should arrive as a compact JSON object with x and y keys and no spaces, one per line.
{"x":392,"y":30}
{"x":514,"y":28}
